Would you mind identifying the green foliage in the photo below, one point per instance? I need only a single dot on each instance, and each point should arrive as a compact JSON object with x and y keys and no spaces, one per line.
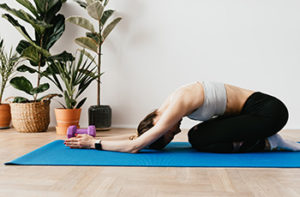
{"x":23,"y":84}
{"x":48,"y":27}
{"x":8,"y":63}
{"x":93,"y":40}
{"x":72,"y":77}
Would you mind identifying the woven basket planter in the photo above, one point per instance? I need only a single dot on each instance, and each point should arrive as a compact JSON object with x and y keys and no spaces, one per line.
{"x":31,"y":117}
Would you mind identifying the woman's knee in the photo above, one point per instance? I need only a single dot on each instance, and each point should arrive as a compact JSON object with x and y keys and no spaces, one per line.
{"x":196,"y":136}
{"x":280,"y":115}
{"x":192,"y":133}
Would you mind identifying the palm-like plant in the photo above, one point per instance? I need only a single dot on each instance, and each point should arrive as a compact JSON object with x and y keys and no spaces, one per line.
{"x":76,"y":77}
{"x":8,"y":63}
{"x":48,"y":27}
{"x":95,"y":37}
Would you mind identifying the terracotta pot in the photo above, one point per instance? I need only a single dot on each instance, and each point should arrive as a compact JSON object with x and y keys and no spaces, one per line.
{"x":66,"y":118}
{"x":5,"y":116}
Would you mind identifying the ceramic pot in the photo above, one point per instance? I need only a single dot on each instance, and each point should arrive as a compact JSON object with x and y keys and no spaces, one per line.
{"x":100,"y":116}
{"x":66,"y":118}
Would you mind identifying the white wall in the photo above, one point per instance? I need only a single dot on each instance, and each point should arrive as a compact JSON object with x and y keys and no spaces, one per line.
{"x":160,"y":45}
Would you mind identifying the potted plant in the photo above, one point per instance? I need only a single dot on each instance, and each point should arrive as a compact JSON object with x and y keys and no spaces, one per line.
{"x":8,"y":63}
{"x":71,"y":78}
{"x":99,"y":115}
{"x":48,"y":26}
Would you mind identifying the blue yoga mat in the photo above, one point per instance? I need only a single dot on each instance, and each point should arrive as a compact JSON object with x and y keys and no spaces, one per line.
{"x":176,"y":154}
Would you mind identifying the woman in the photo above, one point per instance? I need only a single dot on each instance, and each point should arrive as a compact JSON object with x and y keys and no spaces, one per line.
{"x":234,"y":120}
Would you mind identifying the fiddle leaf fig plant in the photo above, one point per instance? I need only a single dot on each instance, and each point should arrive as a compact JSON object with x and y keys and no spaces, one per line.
{"x":48,"y":27}
{"x":95,"y":37}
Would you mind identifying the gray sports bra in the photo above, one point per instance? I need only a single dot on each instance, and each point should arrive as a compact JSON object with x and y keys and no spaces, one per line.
{"x":215,"y":100}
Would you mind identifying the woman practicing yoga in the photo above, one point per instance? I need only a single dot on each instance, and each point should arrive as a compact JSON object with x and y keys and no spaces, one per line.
{"x":234,"y":120}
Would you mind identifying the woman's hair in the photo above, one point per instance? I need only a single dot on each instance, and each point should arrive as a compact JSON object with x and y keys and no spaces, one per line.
{"x":145,"y":125}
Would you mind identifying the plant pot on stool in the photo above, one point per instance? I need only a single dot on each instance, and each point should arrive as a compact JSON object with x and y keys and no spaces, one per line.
{"x":100,"y":116}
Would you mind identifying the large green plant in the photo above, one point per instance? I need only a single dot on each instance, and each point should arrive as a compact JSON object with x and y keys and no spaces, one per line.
{"x":8,"y":63}
{"x":75,"y":75}
{"x":95,"y":37}
{"x":48,"y":27}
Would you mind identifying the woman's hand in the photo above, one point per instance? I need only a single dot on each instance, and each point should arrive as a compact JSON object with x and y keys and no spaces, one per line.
{"x":81,"y":141}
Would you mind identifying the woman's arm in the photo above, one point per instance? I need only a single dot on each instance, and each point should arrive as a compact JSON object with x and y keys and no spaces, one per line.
{"x":87,"y":141}
{"x":179,"y":106}
{"x":170,"y":117}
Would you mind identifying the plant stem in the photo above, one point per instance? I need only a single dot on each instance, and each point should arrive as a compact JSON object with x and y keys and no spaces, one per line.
{"x":99,"y":65}
{"x":2,"y":90}
{"x":39,"y":67}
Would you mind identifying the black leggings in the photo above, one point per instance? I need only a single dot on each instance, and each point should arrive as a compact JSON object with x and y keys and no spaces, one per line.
{"x":262,"y":116}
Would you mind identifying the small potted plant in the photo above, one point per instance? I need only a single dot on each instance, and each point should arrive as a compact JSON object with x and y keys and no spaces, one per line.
{"x":71,"y":77}
{"x":48,"y":26}
{"x":8,"y":63}
{"x":99,"y":115}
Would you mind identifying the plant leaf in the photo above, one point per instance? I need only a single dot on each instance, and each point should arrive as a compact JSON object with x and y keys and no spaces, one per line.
{"x":32,"y":54}
{"x":29,"y":6}
{"x":21,"y":83}
{"x":81,"y":3}
{"x":106,"y":16}
{"x":64,"y":56}
{"x":110,"y":27}
{"x":89,"y":2}
{"x":106,"y":2}
{"x":82,"y":22}
{"x":63,"y":106}
{"x":88,"y":43}
{"x":87,"y":54}
{"x":70,"y":103}
{"x":95,"y":10}
{"x":25,"y":68}
{"x":52,"y":9}
{"x":42,"y":88}
{"x":81,"y":103}
{"x":51,"y":96}
{"x":95,"y":36}
{"x":22,"y":30}
{"x":23,"y":44}
{"x":51,"y":73}
{"x":20,"y":99}
{"x":17,"y":25}
{"x":54,"y":33}
{"x":40,"y":5}
{"x":39,"y":25}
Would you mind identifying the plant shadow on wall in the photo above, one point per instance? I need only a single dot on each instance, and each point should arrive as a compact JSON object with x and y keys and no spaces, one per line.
{"x":8,"y":64}
{"x":99,"y":115}
{"x":48,"y":25}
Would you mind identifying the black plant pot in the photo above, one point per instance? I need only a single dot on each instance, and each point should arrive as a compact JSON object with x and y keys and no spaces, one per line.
{"x":100,"y":116}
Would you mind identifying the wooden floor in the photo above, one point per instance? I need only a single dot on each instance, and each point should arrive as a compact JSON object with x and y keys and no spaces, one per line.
{"x":135,"y":181}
